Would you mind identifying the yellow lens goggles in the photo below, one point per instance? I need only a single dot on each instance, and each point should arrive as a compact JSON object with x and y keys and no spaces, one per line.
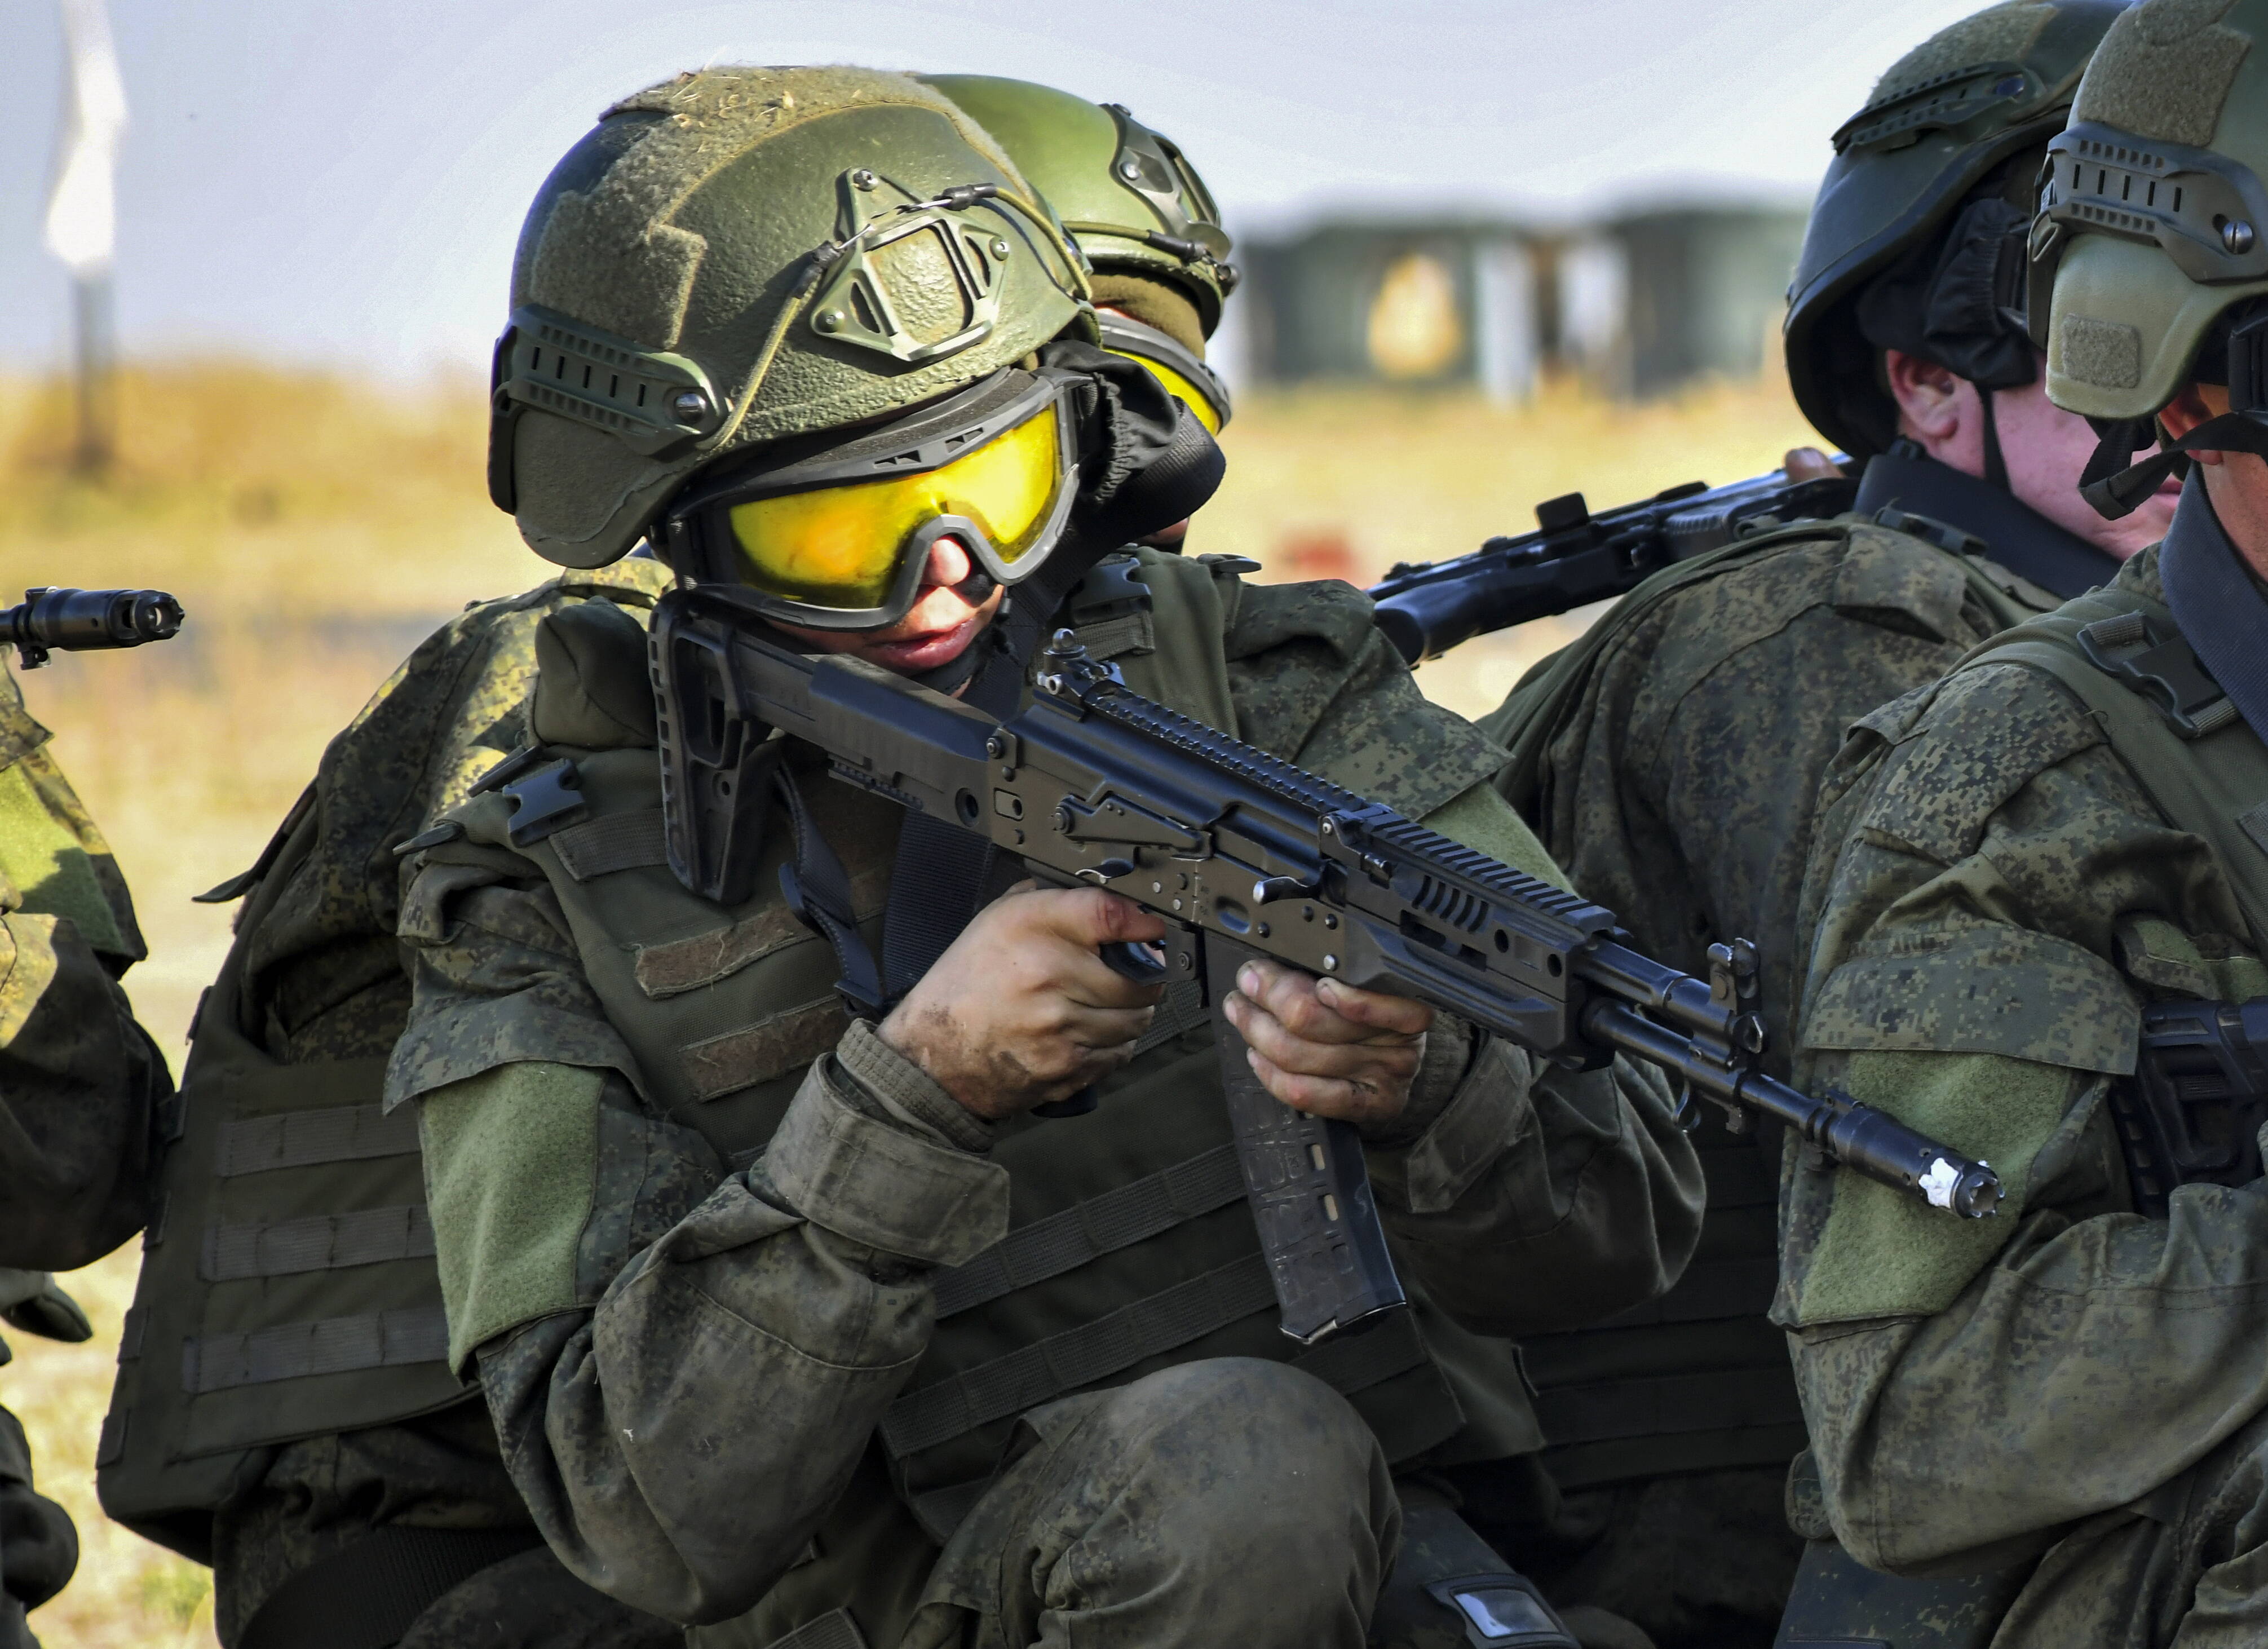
{"x":841,"y":546}
{"x":1185,"y":375}
{"x":840,"y":539}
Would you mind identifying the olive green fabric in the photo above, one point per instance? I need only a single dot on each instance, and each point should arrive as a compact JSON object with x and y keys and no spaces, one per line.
{"x":1881,"y":1254}
{"x":79,"y":1079}
{"x":1481,"y":818}
{"x":679,"y":225}
{"x":520,"y":1262}
{"x":2043,"y":1385}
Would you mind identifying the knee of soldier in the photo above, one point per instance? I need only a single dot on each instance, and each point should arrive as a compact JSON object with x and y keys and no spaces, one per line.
{"x":1271,"y":1455}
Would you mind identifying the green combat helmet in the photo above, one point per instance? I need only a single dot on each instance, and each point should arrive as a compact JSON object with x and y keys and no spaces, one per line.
{"x":740,"y":256}
{"x":2154,"y":230}
{"x":1899,"y":209}
{"x":1137,"y":210}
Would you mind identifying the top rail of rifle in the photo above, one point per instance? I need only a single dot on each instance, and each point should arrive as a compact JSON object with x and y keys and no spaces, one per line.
{"x":1434,"y":852}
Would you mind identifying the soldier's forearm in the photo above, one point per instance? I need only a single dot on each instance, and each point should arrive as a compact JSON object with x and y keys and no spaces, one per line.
{"x":679,"y":1443}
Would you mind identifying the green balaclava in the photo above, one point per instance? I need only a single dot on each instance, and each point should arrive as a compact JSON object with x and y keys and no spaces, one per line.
{"x":743,"y":255}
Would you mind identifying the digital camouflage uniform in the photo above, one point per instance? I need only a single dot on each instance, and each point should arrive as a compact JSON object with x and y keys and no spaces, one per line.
{"x":690,"y":1355}
{"x":2007,"y":892}
{"x":1670,"y":759}
{"x":1667,"y":768}
{"x":78,"y":1080}
{"x":2012,"y":868}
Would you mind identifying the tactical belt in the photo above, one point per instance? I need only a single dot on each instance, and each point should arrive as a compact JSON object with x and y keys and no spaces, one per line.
{"x":367,"y":1596}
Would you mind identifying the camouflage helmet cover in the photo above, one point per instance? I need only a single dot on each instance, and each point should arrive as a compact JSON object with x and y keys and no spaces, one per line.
{"x":2154,"y":219}
{"x":1966,"y":100}
{"x":1128,"y":195}
{"x":745,"y":255}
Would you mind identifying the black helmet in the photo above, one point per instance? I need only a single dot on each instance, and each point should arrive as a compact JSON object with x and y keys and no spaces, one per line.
{"x":1917,"y":238}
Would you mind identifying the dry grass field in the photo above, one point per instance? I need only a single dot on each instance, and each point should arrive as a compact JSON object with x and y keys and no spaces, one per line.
{"x":314,"y":531}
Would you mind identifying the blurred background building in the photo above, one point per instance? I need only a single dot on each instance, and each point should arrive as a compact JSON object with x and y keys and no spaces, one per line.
{"x":1635,"y":305}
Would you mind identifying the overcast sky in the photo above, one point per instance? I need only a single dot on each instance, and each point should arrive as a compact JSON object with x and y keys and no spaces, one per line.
{"x":340,"y":181}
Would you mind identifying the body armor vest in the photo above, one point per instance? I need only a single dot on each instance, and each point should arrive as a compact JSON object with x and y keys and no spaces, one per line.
{"x":2193,"y":1109}
{"x":1130,"y":1246}
{"x":1698,"y":1379}
{"x":288,"y":1288}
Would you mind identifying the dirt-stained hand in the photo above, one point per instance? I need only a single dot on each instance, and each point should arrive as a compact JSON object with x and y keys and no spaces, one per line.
{"x":1020,"y":1010}
{"x":1808,"y":463}
{"x":1326,"y":1049}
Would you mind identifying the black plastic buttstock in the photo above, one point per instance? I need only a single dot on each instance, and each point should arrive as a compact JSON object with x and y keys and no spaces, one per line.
{"x":1309,"y":1190}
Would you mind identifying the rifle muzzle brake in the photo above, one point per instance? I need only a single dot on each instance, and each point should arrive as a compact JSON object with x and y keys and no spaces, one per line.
{"x":51,"y":620}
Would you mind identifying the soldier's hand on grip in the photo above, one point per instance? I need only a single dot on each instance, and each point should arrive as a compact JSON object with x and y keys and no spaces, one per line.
{"x":1021,"y":1010}
{"x":1326,"y":1049}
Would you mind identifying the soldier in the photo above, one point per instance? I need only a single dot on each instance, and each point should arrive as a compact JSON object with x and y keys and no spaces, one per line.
{"x":320,"y":1447}
{"x":1669,"y":759}
{"x":2049,"y":863}
{"x":709,"y":1244}
{"x":79,"y":1082}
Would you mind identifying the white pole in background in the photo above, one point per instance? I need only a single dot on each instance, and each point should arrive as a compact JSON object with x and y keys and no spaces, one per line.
{"x":82,"y":213}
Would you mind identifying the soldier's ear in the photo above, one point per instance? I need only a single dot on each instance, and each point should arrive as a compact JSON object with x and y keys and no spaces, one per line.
{"x":592,"y":691}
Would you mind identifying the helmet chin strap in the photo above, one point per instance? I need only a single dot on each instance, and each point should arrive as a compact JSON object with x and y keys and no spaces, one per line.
{"x":2116,"y":486}
{"x":1996,"y":468}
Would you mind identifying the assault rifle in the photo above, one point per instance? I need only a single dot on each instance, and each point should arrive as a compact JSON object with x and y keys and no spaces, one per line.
{"x":1244,"y":856}
{"x":50,"y":620}
{"x":2192,"y":1112}
{"x":1574,"y":557}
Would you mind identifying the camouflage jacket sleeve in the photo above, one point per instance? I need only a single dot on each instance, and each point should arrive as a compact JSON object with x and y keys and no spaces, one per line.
{"x":1701,"y":721}
{"x":1971,"y":1387}
{"x":78,"y":1078}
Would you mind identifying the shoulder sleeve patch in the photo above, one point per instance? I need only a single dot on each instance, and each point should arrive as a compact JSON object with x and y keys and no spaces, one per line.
{"x":1983,"y":737}
{"x":1892,"y":579}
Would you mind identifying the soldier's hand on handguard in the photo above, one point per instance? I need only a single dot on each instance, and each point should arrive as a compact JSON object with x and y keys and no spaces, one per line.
{"x":1021,"y":1010}
{"x":1326,"y":1048}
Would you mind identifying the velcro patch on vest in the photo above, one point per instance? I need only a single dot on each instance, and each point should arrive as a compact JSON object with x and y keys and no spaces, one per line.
{"x":334,"y":1345}
{"x":757,"y":1053}
{"x":316,"y":1242}
{"x":300,"y":1139}
{"x":678,"y":966}
{"x":615,"y":841}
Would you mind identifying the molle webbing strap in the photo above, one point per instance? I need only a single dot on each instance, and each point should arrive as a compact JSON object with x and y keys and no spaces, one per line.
{"x":835,"y":1629}
{"x":317,"y":1242}
{"x":1118,"y":1219}
{"x":1091,"y":1353}
{"x":615,"y":841}
{"x":301,"y":1139}
{"x":369,"y":1595}
{"x":334,"y":1346}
